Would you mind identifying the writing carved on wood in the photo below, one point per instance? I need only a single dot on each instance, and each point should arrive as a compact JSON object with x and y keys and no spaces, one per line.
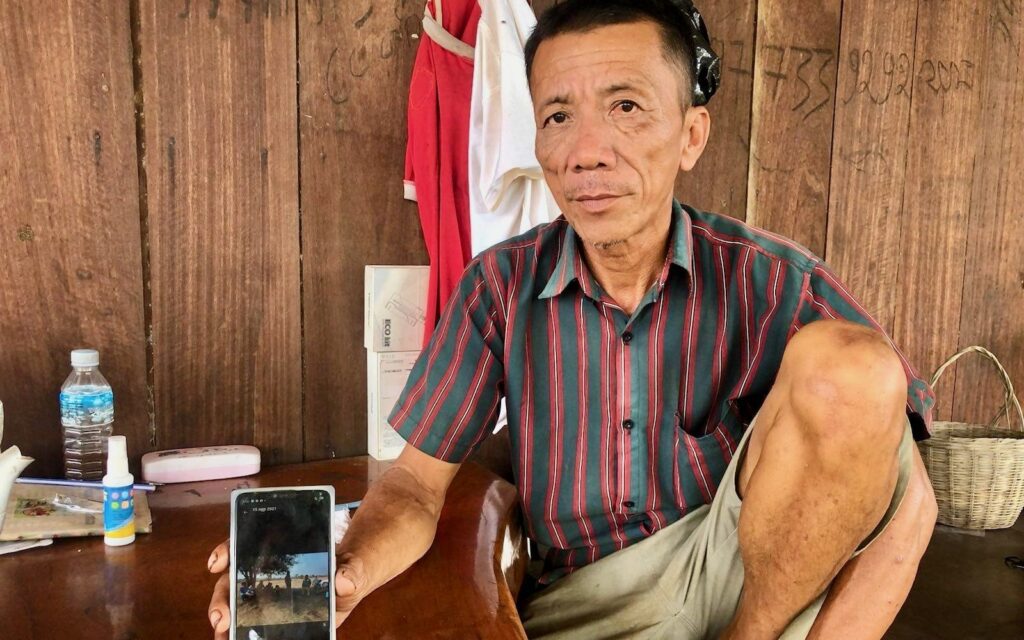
{"x":365,"y":55}
{"x":803,"y":73}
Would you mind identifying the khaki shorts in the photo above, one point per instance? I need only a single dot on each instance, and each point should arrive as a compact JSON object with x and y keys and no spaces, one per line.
{"x":683,"y":582}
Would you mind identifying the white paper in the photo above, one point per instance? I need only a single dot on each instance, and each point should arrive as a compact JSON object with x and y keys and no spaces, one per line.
{"x":396,"y":307}
{"x":386,"y":374}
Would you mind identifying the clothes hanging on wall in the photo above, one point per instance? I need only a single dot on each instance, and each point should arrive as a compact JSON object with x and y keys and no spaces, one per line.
{"x":436,"y":163}
{"x":507,"y":192}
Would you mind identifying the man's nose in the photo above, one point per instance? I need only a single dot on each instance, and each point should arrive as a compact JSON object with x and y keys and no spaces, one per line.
{"x":591,"y":147}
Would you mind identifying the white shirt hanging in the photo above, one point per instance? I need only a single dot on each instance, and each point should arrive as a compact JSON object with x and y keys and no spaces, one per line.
{"x":507,"y":192}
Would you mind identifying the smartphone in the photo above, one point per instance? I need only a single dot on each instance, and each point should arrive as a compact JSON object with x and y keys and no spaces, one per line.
{"x":282,"y":563}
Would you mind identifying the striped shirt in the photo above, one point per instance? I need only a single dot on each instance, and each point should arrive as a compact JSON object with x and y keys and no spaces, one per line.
{"x":620,"y":425}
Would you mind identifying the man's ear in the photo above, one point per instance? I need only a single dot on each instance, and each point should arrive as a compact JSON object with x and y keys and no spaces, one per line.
{"x":696,"y":130}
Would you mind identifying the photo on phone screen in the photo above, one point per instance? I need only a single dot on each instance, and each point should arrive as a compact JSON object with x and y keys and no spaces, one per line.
{"x":283,"y":554}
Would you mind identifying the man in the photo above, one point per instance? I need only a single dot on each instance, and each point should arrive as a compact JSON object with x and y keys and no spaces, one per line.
{"x":710,"y":437}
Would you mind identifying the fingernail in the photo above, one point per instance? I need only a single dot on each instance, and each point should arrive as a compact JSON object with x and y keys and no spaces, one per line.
{"x":213,"y":558}
{"x":215,"y":618}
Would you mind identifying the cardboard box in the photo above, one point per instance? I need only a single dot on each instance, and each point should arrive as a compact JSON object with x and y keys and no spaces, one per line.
{"x":386,"y":374}
{"x":395,"y":307}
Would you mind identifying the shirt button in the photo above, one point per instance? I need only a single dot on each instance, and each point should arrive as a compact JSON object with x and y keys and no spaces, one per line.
{"x":628,"y":424}
{"x":629,"y":504}
{"x":627,"y":337}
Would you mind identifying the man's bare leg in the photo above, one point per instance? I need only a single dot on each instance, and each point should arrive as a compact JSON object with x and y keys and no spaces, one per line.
{"x":868,"y":593}
{"x":819,"y":473}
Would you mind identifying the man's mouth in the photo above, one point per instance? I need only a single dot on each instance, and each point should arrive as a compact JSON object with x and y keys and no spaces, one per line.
{"x":595,"y":201}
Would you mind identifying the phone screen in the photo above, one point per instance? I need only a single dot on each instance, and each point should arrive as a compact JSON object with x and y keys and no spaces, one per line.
{"x":283,"y":553}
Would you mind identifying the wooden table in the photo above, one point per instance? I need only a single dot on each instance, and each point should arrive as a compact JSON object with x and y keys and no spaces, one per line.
{"x":464,"y":587}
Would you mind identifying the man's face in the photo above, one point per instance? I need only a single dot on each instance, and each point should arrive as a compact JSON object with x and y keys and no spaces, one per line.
{"x":610,"y":129}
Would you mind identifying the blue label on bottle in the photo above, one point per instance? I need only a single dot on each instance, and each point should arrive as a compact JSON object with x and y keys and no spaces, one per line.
{"x":118,"y":512}
{"x":87,"y":408}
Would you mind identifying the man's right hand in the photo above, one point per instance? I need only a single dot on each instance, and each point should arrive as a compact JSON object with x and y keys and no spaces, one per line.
{"x":350,"y":588}
{"x":220,"y":604}
{"x":394,"y":527}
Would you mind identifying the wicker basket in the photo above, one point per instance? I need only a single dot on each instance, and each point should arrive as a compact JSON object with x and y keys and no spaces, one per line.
{"x":977,"y":470}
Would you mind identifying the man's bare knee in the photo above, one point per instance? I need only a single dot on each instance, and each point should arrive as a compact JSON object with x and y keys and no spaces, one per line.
{"x":842,"y":386}
{"x":838,"y":372}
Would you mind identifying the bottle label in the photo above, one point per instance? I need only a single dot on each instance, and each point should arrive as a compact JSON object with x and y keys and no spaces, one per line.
{"x":87,"y":408}
{"x":118,"y":512}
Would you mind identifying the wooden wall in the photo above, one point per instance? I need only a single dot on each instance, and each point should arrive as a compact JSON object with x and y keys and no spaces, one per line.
{"x":193,"y":187}
{"x":71,"y":268}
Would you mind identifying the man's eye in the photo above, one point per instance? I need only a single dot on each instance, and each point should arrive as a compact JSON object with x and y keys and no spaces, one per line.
{"x":557,"y":118}
{"x":628,"y":106}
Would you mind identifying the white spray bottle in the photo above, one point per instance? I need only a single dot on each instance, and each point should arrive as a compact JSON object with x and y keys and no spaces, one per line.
{"x":118,"y":502}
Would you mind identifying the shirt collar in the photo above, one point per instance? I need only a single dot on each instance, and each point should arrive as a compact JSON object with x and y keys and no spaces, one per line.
{"x":571,"y":267}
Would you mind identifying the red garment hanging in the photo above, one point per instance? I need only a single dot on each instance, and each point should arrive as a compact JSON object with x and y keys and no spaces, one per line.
{"x":436,"y":160}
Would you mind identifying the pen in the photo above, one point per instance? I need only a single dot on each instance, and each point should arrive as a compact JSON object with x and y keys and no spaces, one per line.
{"x":79,"y":483}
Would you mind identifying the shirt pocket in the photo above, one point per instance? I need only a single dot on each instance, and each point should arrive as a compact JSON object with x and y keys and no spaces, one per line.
{"x":701,"y":461}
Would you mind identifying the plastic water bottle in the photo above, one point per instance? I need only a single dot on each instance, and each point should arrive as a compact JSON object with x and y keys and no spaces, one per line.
{"x":86,"y":416}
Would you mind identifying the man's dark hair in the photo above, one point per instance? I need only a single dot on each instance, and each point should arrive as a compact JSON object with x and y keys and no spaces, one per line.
{"x":581,"y":16}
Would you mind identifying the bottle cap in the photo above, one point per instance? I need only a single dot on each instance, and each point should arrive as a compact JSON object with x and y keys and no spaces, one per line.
{"x":117,"y":456}
{"x":85,"y":358}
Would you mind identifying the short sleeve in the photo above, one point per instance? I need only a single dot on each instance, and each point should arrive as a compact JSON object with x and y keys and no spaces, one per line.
{"x":450,"y":401}
{"x":421,"y":127}
{"x":409,"y":180}
{"x":409,"y":174}
{"x":824,"y":296}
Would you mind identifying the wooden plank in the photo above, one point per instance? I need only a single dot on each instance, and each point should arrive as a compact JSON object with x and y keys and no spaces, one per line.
{"x":218,"y":84}
{"x":940,"y":171}
{"x":70,"y":251}
{"x":719,"y":181}
{"x":791,"y":129}
{"x":994,"y":278}
{"x":869,"y":150}
{"x":356,"y":60}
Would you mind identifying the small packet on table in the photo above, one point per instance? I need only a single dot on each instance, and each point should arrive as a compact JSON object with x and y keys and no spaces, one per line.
{"x":39,"y":511}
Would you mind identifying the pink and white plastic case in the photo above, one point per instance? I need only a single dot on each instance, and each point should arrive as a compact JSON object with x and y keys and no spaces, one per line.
{"x":200,"y":463}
